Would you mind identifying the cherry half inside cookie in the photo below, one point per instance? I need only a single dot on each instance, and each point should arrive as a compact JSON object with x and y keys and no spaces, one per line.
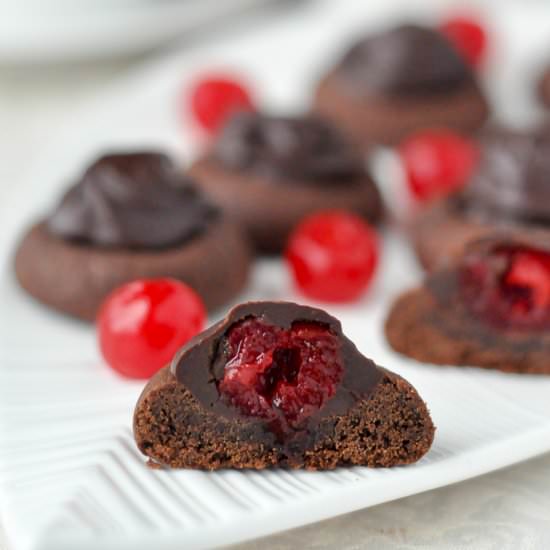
{"x":509,"y":287}
{"x":281,"y":375}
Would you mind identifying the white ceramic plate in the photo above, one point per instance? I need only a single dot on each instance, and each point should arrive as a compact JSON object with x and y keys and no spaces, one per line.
{"x":70,"y":475}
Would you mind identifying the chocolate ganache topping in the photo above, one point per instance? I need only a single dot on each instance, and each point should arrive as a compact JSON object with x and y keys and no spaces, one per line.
{"x":512,"y":180}
{"x":305,"y":150}
{"x":408,"y":60}
{"x":132,"y":200}
{"x":360,"y":374}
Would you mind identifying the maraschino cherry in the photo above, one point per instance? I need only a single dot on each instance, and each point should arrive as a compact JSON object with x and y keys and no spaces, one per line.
{"x":283,"y":375}
{"x":468,"y":37}
{"x":143,"y":323}
{"x":437,"y":162}
{"x":214,"y":98}
{"x":333,"y":255}
{"x":509,"y":287}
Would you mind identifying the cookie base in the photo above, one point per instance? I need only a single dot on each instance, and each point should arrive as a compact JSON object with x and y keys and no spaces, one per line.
{"x":75,"y":278}
{"x":269,"y":211}
{"x":391,"y":427}
{"x":377,"y":120}
{"x":419,"y":328}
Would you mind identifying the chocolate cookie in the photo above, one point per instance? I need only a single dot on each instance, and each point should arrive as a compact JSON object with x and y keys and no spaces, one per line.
{"x":278,"y":384}
{"x":509,"y":189}
{"x":490,"y":310}
{"x":267,"y":173}
{"x":395,"y":82}
{"x":130,"y":216}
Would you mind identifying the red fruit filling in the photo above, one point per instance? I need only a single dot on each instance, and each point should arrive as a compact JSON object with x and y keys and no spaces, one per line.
{"x":282,"y":375}
{"x":509,"y":287}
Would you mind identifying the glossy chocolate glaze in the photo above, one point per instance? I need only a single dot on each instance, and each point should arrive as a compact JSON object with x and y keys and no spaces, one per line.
{"x":200,"y":364}
{"x":132,"y":200}
{"x":512,"y":180}
{"x":303,"y":150}
{"x":408,"y":60}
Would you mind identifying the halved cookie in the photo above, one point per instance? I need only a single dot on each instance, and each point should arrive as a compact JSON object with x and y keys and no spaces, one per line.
{"x":490,"y":310}
{"x":278,"y":384}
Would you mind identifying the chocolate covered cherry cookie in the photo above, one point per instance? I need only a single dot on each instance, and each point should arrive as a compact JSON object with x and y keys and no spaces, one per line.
{"x":267,"y":173}
{"x":130,"y":216}
{"x":508,"y":190}
{"x":490,"y":310}
{"x":395,"y":82}
{"x":278,"y":384}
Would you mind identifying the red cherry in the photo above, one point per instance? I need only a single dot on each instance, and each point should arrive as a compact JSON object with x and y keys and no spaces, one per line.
{"x":468,"y":37}
{"x":333,"y":256}
{"x":214,"y":98}
{"x":142,"y":324}
{"x":283,"y":375}
{"x":437,"y":162}
{"x":531,"y":272}
{"x":509,"y":286}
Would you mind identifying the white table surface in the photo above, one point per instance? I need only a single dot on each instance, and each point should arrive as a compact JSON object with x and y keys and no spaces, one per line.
{"x":506,"y":510}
